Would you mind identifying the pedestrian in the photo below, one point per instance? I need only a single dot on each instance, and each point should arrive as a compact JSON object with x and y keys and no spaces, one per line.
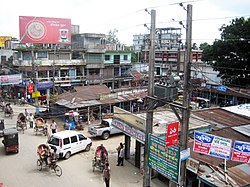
{"x":31,"y":120}
{"x":53,"y":126}
{"x":118,"y":151}
{"x":106,"y":174}
{"x":121,"y":156}
{"x":26,"y":113}
{"x":47,"y":129}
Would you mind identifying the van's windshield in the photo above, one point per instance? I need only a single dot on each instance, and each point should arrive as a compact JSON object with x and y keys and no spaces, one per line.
{"x":53,"y":141}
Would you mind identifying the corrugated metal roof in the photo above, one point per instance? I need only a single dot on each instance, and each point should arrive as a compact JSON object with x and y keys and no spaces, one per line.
{"x":244,"y":129}
{"x":241,"y":174}
{"x":221,"y":118}
{"x":243,"y":109}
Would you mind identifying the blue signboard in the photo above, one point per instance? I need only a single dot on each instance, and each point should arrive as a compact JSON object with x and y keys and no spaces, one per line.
{"x":221,"y":88}
{"x":45,"y":85}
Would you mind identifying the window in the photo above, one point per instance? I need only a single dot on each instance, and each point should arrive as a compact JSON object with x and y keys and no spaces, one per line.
{"x":41,"y":54}
{"x":125,"y":57}
{"x":107,"y":57}
{"x":53,"y":141}
{"x":73,"y":139}
{"x":66,"y":141}
{"x":81,"y":137}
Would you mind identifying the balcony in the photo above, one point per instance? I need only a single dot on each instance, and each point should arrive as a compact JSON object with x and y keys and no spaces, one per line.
{"x":24,"y":63}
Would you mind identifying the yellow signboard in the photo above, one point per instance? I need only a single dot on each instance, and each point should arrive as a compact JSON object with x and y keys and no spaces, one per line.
{"x":36,"y":94}
{"x":3,"y":39}
{"x":129,"y":118}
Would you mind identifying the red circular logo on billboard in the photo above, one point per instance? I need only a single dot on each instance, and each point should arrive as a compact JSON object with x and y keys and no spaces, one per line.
{"x":36,"y":30}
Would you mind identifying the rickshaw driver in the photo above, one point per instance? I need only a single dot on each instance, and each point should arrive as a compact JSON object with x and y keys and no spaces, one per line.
{"x":45,"y":154}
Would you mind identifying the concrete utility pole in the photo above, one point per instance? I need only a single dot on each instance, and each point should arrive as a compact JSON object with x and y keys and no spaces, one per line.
{"x":34,"y":77}
{"x":149,"y":116}
{"x":186,"y":92}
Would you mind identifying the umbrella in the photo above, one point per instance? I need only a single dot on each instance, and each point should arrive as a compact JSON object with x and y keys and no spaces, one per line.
{"x":71,"y":113}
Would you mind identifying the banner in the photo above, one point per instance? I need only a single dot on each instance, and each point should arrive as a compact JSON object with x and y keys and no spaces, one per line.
{"x":44,"y":30}
{"x":212,"y":145}
{"x":10,"y":79}
{"x":241,"y":152}
{"x":30,"y":88}
{"x":172,"y":134}
{"x":165,"y":160}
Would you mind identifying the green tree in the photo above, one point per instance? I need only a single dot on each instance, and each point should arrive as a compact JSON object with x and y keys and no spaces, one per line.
{"x":112,"y":37}
{"x":230,"y":55}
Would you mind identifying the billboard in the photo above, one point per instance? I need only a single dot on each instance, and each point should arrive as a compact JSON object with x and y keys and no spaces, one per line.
{"x":212,"y":145}
{"x":3,"y":39}
{"x":241,"y":152}
{"x":10,"y":79}
{"x":44,"y":30}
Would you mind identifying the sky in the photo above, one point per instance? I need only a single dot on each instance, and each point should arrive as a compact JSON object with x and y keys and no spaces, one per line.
{"x":128,"y":17}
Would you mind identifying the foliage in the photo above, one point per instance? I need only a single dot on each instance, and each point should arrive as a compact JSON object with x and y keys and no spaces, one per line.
{"x":112,"y":37}
{"x":230,"y":55}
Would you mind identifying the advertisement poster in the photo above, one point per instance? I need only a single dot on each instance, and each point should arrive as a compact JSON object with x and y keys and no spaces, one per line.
{"x":212,"y":145}
{"x":44,"y":30}
{"x":165,"y":160}
{"x":241,"y":152}
{"x":172,"y":134}
{"x":10,"y":79}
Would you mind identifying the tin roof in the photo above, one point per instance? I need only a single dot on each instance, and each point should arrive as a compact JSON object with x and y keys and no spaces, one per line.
{"x":241,"y":174}
{"x":221,"y":118}
{"x":243,"y":109}
{"x":244,"y":129}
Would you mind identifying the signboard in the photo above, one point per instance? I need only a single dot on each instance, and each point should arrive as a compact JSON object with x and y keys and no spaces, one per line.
{"x":130,"y":131}
{"x":241,"y":152}
{"x":192,"y":165}
{"x":36,"y":94}
{"x":44,"y":85}
{"x":221,"y":88}
{"x":129,"y":118}
{"x":3,"y":39}
{"x":212,"y":145}
{"x":10,"y":79}
{"x":30,"y":88}
{"x":44,"y":30}
{"x":165,"y":160}
{"x":185,"y":154}
{"x":172,"y":134}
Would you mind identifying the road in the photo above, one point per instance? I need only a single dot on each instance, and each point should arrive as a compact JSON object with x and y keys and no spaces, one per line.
{"x":19,"y":170}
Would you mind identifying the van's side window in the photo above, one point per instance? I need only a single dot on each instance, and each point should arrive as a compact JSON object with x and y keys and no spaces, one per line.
{"x":81,"y":137}
{"x":66,"y":141}
{"x":73,"y":139}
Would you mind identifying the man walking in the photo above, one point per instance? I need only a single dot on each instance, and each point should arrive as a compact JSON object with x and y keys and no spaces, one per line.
{"x":31,"y":119}
{"x":106,"y":174}
{"x":119,"y":150}
{"x":53,"y":126}
{"x":121,"y":156}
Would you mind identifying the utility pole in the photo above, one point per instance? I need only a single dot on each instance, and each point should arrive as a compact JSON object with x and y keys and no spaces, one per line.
{"x":186,"y":93}
{"x":149,"y":116}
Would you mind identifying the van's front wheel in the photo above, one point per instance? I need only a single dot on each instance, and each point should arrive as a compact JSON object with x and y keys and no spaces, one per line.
{"x":68,"y":154}
{"x":88,"y":148}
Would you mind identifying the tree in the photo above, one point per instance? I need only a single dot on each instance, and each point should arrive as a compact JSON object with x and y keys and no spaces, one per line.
{"x":112,"y":38}
{"x":230,"y":55}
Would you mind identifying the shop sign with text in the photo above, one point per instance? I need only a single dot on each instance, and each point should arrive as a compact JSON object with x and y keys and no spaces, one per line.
{"x":172,"y":134}
{"x":241,"y":152}
{"x":165,"y":160}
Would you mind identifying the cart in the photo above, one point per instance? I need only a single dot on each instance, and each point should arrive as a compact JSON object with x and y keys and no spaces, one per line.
{"x":8,"y":111}
{"x":47,"y":158}
{"x":10,"y":140}
{"x":40,"y":126}
{"x":21,"y":122}
{"x":100,"y":159}
{"x":73,"y":121}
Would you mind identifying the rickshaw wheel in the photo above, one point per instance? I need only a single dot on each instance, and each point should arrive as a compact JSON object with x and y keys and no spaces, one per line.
{"x":58,"y":170}
{"x":39,"y":165}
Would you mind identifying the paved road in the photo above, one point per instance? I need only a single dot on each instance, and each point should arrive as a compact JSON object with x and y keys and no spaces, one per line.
{"x":19,"y":170}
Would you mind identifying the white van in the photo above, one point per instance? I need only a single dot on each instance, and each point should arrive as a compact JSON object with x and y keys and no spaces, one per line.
{"x":69,"y":142}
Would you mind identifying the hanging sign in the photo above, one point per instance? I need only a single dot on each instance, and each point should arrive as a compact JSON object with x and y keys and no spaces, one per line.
{"x":172,"y":134}
{"x":241,"y":152}
{"x":30,"y":88}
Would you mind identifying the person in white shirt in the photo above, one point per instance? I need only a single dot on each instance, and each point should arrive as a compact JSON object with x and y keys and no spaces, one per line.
{"x":121,"y":156}
{"x":53,"y":126}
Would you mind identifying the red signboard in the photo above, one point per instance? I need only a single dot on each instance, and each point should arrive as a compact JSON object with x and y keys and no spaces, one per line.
{"x":30,"y":88}
{"x":241,"y":152}
{"x":172,"y":134}
{"x":44,"y":30}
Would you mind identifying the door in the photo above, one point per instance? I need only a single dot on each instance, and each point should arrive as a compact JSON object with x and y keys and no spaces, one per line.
{"x":74,"y":144}
{"x":82,"y":142}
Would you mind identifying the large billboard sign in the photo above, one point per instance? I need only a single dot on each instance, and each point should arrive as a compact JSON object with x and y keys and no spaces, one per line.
{"x":241,"y":152}
{"x":165,"y":160}
{"x":44,"y":30}
{"x":212,"y":145}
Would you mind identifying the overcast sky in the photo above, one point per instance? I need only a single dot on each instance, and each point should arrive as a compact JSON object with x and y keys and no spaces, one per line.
{"x":128,"y":17}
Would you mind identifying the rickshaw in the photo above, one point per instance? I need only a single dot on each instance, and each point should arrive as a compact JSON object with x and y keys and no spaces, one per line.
{"x":10,"y":140}
{"x":8,"y":110}
{"x":47,"y":158}
{"x":2,"y":127}
{"x":100,"y":159}
{"x":40,"y":126}
{"x":72,"y":121}
{"x":21,"y":122}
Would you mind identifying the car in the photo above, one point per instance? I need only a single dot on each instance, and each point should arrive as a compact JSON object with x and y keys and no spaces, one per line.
{"x":69,"y":142}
